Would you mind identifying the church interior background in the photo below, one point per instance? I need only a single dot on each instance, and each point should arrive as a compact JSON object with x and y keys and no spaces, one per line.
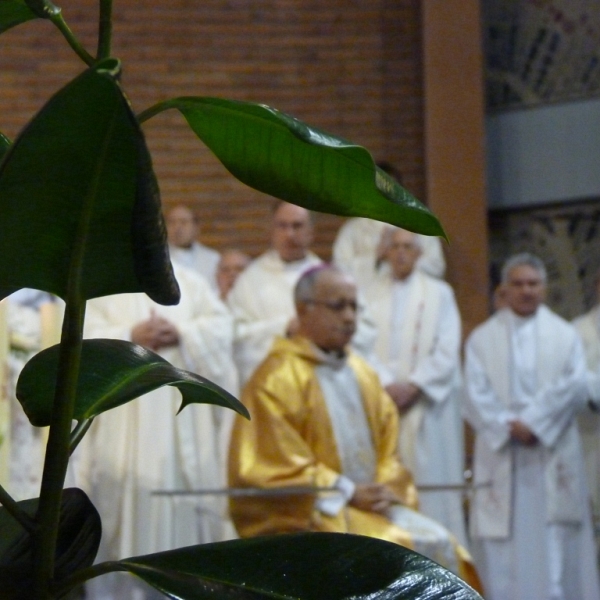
{"x":367,"y":71}
{"x":543,"y":67}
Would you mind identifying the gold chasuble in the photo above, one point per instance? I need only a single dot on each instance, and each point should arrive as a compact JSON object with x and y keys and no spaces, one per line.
{"x":290,"y":441}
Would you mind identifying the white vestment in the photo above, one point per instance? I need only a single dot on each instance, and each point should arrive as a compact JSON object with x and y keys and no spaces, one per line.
{"x":588,"y":326}
{"x":26,"y":442}
{"x":32,"y":326}
{"x":529,"y":514}
{"x":358,"y":458}
{"x":419,"y":335}
{"x":198,"y":258}
{"x":144,"y":446}
{"x":355,"y":249}
{"x":262,"y":302}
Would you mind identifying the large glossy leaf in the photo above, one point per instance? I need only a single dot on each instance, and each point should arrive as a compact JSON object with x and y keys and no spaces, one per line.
{"x":304,"y":566}
{"x":113,"y":372}
{"x":281,"y":156}
{"x":14,"y":12}
{"x":79,"y":536}
{"x":79,"y":200}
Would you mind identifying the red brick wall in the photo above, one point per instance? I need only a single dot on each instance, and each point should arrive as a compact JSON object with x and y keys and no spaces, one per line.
{"x":347,"y":66}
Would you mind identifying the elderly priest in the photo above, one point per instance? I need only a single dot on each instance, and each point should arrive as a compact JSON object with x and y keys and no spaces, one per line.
{"x":526,"y":380}
{"x":321,"y":418}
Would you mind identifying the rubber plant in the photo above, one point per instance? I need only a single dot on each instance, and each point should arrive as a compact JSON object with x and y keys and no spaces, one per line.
{"x":80,"y":217}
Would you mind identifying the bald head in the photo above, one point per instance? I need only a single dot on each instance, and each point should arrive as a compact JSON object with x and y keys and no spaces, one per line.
{"x":182,"y":226}
{"x":292,"y":231}
{"x":327,"y":307}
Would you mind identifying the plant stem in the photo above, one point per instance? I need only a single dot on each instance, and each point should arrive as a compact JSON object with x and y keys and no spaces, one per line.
{"x":84,"y":575}
{"x":154,"y":110}
{"x":104,"y":29}
{"x":78,"y":433}
{"x":13,"y":508}
{"x":57,"y":450}
{"x":85,"y":56}
{"x":63,"y":409}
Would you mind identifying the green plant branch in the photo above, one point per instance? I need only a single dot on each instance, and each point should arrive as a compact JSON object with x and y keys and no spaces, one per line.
{"x":78,"y":433}
{"x":84,"y":575}
{"x":57,"y":450}
{"x":104,"y":30}
{"x":85,"y":56}
{"x":154,"y":110}
{"x":13,"y":508}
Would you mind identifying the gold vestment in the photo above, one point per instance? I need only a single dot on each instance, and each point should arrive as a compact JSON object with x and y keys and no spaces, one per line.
{"x":290,"y":442}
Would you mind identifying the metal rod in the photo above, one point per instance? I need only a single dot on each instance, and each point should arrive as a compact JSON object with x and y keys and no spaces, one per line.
{"x":250,"y":491}
{"x":303,"y":490}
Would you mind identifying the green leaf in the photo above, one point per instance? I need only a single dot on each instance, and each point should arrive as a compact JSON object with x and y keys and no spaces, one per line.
{"x":4,"y":141}
{"x":112,"y":373}
{"x":281,"y":156}
{"x":79,"y":536}
{"x":79,"y":200}
{"x":303,"y":566}
{"x":13,"y":12}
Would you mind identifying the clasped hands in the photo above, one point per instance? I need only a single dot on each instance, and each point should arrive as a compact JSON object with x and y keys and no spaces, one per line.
{"x":404,"y":395}
{"x":373,"y":497}
{"x":155,"y":333}
{"x":519,"y":432}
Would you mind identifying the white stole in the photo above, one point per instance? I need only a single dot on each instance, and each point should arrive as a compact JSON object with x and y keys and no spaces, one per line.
{"x":588,"y":327}
{"x":553,"y":351}
{"x":353,"y":436}
{"x":588,"y":422}
{"x":417,"y":336}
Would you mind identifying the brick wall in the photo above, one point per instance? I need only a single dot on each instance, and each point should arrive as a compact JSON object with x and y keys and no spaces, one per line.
{"x":351,"y":67}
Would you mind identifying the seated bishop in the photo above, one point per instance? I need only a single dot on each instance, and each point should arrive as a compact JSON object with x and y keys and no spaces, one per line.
{"x":321,"y":419}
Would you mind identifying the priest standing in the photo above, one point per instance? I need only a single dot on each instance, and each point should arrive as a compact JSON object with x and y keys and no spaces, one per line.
{"x":526,"y":380}
{"x":588,"y":326}
{"x":360,"y":247}
{"x":231,"y":265}
{"x":419,"y":336}
{"x":261,"y":298}
{"x":144,"y":446}
{"x":183,"y":230}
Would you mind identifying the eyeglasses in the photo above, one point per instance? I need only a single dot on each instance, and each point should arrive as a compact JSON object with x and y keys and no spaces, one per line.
{"x":338,"y":306}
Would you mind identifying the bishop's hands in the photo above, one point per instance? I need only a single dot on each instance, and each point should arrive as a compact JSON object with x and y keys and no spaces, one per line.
{"x":155,"y":333}
{"x":373,"y":497}
{"x":519,"y":432}
{"x":404,"y":395}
